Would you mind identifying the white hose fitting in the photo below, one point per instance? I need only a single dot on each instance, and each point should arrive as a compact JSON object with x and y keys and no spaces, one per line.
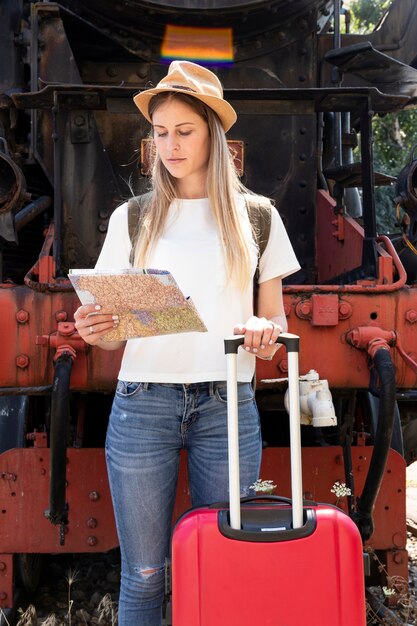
{"x":316,"y":404}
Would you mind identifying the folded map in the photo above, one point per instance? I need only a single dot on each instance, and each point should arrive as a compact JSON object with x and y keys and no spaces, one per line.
{"x":148,"y":302}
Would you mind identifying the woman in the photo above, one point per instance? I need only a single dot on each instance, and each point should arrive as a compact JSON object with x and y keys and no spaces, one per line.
{"x":171,"y":393}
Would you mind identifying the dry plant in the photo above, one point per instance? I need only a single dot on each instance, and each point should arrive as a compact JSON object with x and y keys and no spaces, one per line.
{"x":107,"y":611}
{"x":71,"y":579}
{"x":105,"y":614}
{"x":28,"y":617}
{"x":52,"y":620}
{"x":2,"y":615}
{"x":397,"y":590}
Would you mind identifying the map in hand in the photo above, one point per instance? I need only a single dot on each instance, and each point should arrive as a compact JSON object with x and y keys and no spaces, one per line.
{"x":148,"y":302}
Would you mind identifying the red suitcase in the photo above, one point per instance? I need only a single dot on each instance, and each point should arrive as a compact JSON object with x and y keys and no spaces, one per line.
{"x":259,"y":563}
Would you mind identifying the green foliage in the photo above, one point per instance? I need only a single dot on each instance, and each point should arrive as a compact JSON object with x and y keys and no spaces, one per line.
{"x":366,"y":14}
{"x":395,"y":134}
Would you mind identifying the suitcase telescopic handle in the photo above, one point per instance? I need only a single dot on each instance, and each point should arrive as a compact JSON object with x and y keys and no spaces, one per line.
{"x":291,"y":343}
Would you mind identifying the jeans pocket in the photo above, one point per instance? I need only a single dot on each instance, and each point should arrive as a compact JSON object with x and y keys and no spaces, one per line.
{"x":244,"y":392}
{"x":127,"y":389}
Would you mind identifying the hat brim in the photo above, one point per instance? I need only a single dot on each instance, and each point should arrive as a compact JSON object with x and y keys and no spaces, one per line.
{"x":221,"y":107}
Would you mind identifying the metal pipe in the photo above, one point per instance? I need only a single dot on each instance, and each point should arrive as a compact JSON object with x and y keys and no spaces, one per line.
{"x":382,"y":288}
{"x":23,"y":391}
{"x":336,"y":81}
{"x":57,"y":186}
{"x":346,"y":442}
{"x":406,"y":395}
{"x":369,"y":252}
{"x":320,"y":134}
{"x":32,"y":210}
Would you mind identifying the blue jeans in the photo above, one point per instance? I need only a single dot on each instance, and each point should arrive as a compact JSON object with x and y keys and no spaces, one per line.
{"x":148,"y":427}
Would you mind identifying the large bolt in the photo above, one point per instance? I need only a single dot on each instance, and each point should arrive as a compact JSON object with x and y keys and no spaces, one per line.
{"x":283,"y":365}
{"x":399,"y":540}
{"x":303,"y":309}
{"x":22,"y":361}
{"x":22,"y":316}
{"x":94,"y":495}
{"x":142,"y":71}
{"x":398,"y":558}
{"x":61,"y":316}
{"x":66,"y":328}
{"x":345,"y":310}
{"x":411,"y":316}
{"x":92,"y":541}
{"x":111,"y":71}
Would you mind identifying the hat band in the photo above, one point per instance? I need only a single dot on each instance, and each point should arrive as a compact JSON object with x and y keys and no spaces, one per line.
{"x":182,"y":87}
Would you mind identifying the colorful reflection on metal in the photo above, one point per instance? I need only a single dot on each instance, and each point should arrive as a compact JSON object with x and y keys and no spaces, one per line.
{"x":204,"y":45}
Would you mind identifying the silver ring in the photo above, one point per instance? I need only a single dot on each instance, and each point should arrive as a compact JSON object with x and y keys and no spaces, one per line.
{"x":91,"y":330}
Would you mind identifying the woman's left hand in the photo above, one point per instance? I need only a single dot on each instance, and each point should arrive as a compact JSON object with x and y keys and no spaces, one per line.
{"x":260,"y":336}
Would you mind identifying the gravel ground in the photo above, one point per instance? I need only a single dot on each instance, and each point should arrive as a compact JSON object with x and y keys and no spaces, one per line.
{"x":87,"y":584}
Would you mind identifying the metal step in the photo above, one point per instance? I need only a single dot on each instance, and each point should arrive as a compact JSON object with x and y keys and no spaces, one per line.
{"x":351,"y":176}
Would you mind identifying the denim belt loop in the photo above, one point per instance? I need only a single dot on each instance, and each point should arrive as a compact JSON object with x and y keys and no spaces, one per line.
{"x":211,"y":388}
{"x":145,"y":386}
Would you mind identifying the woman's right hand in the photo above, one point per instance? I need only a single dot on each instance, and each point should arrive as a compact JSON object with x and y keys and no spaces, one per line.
{"x":92,"y":323}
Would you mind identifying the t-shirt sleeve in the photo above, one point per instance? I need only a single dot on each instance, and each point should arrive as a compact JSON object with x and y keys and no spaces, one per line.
{"x":115,"y":253}
{"x":278,"y":259}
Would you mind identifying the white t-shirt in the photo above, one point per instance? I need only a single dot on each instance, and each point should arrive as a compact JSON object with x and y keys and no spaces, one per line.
{"x":190,"y":249}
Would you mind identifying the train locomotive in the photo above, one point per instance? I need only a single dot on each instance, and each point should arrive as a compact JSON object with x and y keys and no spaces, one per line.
{"x":72,"y":147}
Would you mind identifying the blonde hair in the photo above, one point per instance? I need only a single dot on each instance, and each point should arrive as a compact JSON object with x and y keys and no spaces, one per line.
{"x":223,"y":185}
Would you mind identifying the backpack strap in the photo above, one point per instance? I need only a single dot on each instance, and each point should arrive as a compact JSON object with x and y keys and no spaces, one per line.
{"x":135,"y":210}
{"x":259,"y":212}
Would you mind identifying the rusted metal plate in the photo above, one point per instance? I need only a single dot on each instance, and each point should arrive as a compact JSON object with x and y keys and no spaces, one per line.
{"x":343,"y":365}
{"x":24,"y":493}
{"x":29,"y":340}
{"x":24,"y":497}
{"x":32,"y":331}
{"x":322,"y":467}
{"x":6,"y":580}
{"x":325,"y":310}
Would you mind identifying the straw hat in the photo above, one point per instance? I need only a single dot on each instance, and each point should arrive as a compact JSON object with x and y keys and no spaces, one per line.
{"x":193,"y":80}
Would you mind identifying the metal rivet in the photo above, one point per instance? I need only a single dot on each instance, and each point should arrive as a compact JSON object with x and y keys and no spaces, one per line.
{"x":92,"y":541}
{"x":22,"y":316}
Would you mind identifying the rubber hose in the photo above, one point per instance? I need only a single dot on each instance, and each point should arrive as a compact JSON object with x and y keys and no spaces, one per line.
{"x":363,"y":516}
{"x":60,"y":417}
